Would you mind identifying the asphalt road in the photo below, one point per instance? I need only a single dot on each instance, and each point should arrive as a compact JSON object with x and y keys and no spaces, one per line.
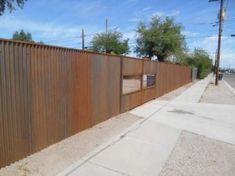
{"x":230,"y":78}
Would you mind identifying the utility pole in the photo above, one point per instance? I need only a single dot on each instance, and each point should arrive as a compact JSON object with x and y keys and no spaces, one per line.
{"x":216,"y":53}
{"x":83,"y":40}
{"x":106,"y":33}
{"x":106,"y":25}
{"x":221,"y":13}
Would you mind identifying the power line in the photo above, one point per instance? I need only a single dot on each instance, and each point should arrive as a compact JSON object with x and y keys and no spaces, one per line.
{"x":70,"y":37}
{"x":92,"y":34}
{"x":71,"y":40}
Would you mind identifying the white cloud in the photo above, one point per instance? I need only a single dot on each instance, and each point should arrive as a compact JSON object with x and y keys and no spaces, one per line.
{"x":159,"y":14}
{"x":210,"y":44}
{"x":140,"y":15}
{"x":145,"y":14}
{"x":44,"y":30}
{"x":174,"y":13}
{"x":228,"y":59}
{"x":166,"y":14}
{"x":130,"y":35}
{"x":190,"y":34}
{"x":146,"y":9}
{"x":87,"y":8}
{"x":134,"y":20}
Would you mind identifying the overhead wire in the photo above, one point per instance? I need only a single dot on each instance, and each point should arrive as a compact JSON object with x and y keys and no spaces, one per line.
{"x":78,"y":37}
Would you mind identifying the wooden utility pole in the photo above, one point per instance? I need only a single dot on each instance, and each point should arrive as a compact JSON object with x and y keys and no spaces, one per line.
{"x":83,"y":40}
{"x":106,"y":25}
{"x":106,"y":33}
{"x":215,"y":66}
{"x":221,"y":13}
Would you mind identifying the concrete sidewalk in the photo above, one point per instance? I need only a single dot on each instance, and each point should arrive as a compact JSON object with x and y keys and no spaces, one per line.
{"x":177,"y":137}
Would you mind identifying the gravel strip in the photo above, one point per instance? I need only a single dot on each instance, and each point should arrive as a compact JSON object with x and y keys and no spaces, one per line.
{"x":196,"y":155}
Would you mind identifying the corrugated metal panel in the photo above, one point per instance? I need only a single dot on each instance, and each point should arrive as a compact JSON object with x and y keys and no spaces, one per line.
{"x":170,"y":77}
{"x":105,"y":87}
{"x":132,"y":66}
{"x":15,"y":104}
{"x":45,"y":97}
{"x":131,"y":101}
{"x":149,"y":94}
{"x":150,"y":67}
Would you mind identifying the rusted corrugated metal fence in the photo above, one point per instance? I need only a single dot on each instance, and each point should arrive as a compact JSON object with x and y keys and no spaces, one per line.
{"x":49,"y":93}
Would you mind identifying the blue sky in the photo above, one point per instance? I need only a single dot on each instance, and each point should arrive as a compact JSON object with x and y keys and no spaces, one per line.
{"x":60,"y":22}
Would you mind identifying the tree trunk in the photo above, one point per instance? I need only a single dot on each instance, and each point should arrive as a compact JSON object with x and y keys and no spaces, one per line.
{"x":160,"y":58}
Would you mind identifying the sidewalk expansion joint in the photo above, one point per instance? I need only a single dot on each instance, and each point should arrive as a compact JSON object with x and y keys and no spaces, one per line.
{"x":104,"y":167}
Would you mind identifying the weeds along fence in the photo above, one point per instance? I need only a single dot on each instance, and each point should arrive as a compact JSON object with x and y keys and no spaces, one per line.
{"x":49,"y":93}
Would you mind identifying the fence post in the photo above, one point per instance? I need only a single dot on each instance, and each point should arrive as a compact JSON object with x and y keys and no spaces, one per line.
{"x":141,"y":82}
{"x":121,"y":82}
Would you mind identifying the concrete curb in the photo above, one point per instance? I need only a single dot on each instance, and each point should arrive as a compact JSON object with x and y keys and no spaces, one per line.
{"x":230,"y":87}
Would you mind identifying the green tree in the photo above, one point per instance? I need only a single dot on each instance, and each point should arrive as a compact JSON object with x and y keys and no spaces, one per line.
{"x":110,"y":42}
{"x":200,"y":59}
{"x":10,"y":5}
{"x":161,"y":38}
{"x":23,"y":36}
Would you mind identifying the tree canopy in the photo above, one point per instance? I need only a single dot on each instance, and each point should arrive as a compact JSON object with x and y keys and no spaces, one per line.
{"x":200,"y":59}
{"x":10,"y":5}
{"x":161,"y":38}
{"x":23,"y":36}
{"x":110,"y":42}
